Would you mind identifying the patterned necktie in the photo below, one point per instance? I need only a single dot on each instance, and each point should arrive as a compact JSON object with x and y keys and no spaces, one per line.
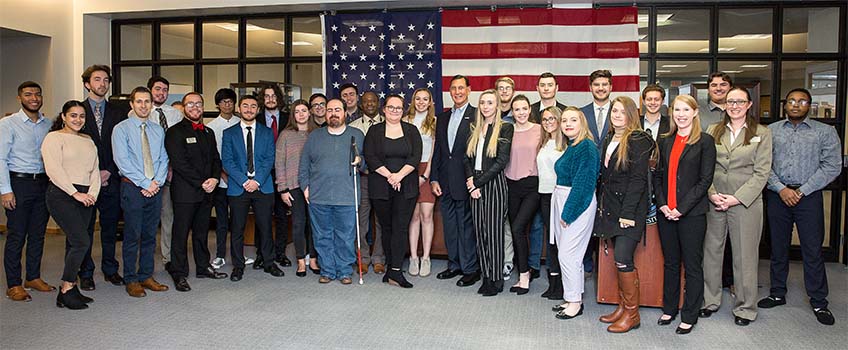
{"x":98,"y":118}
{"x":250,"y":167}
{"x":600,"y":119}
{"x":146,"y":157}
{"x":163,"y":122}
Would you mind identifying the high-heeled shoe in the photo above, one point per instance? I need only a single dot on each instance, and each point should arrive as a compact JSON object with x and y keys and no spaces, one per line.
{"x":300,"y":273}
{"x":70,"y":300}
{"x":317,"y":270}
{"x":665,"y":322}
{"x":395,"y":278}
{"x":562,"y":315}
{"x":680,"y":330}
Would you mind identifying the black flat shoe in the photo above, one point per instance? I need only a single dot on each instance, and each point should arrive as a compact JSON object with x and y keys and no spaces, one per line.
{"x":86,"y":284}
{"x":770,"y":302}
{"x":665,"y":322}
{"x":283,"y":261}
{"x":76,"y":292}
{"x":521,"y":291}
{"x":259,"y":263}
{"x":181,"y":285}
{"x":558,"y":307}
{"x":115,"y":279}
{"x":395,"y":278}
{"x":468,"y":280}
{"x":706,"y":313}
{"x":564,"y":316}
{"x":448,"y":274}
{"x":824,"y":316}
{"x":237,"y":274}
{"x":683,"y":331}
{"x":739,"y":321}
{"x":273,"y":270}
{"x":209,"y":272}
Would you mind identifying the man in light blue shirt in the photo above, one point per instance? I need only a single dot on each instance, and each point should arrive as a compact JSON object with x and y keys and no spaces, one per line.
{"x":23,"y":185}
{"x":138,"y":146}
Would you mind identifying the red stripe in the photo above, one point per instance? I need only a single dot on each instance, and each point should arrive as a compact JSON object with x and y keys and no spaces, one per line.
{"x":629,"y":49}
{"x":567,"y":83}
{"x":540,"y":16}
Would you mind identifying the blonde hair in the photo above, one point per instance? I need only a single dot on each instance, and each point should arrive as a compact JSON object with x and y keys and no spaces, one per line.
{"x":477,"y":128}
{"x":633,"y":125}
{"x":428,"y":126}
{"x":559,"y":138}
{"x":507,"y":80}
{"x":584,"y":133}
{"x":695,"y":133}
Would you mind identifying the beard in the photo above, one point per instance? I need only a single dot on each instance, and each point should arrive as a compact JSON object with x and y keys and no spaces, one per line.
{"x":25,"y":106}
{"x":334,"y":121}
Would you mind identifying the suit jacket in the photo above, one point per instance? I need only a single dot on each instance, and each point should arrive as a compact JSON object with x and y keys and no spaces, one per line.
{"x":234,"y":158}
{"x":448,"y":168}
{"x":112,"y":115}
{"x":282,"y":121}
{"x":592,"y":119}
{"x":536,"y":112}
{"x":742,"y":170}
{"x":664,"y":125}
{"x":193,"y":158}
{"x":492,"y":166}
{"x":374,"y":152}
{"x":623,"y":193}
{"x":694,"y":174}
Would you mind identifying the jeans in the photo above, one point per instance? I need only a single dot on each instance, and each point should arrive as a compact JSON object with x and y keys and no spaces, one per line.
{"x":334,"y":234}
{"x":537,"y":239}
{"x":140,"y":225}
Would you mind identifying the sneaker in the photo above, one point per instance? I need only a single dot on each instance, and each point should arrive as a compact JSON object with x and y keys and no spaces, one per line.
{"x":218,"y":262}
{"x":770,"y":302}
{"x":248,"y":261}
{"x":413,"y":266}
{"x":507,"y":271}
{"x":425,"y":267}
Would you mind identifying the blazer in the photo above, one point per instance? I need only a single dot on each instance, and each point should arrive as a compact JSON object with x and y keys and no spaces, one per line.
{"x":448,"y":168}
{"x":664,"y":125}
{"x":374,"y":150}
{"x":742,"y":170}
{"x":111,"y":117}
{"x":591,"y":118}
{"x":492,"y":166}
{"x":536,"y":111}
{"x":623,"y":193}
{"x":193,"y":158}
{"x":234,"y":158}
{"x":282,"y":120}
{"x":694,"y":174}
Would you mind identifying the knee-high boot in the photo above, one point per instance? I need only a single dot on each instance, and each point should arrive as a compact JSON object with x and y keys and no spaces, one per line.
{"x":619,"y":310}
{"x":629,"y":284}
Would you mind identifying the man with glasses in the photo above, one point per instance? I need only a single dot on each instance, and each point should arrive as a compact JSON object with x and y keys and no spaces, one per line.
{"x":547,"y":88}
{"x":718,"y":85}
{"x":350,"y":95}
{"x":318,"y":109}
{"x":505,"y":87}
{"x":275,"y":119}
{"x":806,"y":157}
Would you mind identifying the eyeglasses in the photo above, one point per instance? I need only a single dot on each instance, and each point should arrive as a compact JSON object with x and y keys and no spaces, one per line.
{"x":319,"y":104}
{"x":504,"y":88}
{"x":801,"y":103}
{"x":548,"y":120}
{"x":226,"y":102}
{"x":194,"y":104}
{"x":736,"y":102}
{"x":394,"y":108}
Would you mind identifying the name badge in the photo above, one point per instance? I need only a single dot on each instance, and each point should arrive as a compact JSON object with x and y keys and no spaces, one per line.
{"x":191,"y":140}
{"x":755,"y":139}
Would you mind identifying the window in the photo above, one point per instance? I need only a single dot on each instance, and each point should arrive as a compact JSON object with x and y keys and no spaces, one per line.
{"x":275,"y":72}
{"x":266,"y":37}
{"x":181,"y":79}
{"x":131,"y":77}
{"x":756,"y":77}
{"x":136,"y":40}
{"x":745,"y":30}
{"x":811,"y":29}
{"x":819,"y":77}
{"x":306,"y":37}
{"x":308,"y":76}
{"x":216,"y":77}
{"x":680,"y":77}
{"x":683,"y":31}
{"x":177,"y":41}
{"x":220,"y":39}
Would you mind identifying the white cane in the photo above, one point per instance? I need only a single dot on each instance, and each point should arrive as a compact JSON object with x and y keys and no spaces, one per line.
{"x":353,"y":172}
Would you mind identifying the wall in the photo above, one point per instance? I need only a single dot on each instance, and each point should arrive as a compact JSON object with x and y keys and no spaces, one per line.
{"x":22,"y":57}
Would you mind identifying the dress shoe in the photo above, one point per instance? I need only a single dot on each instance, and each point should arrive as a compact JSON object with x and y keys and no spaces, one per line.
{"x":181,"y":284}
{"x":559,"y":307}
{"x":665,"y":321}
{"x":395,"y":278}
{"x":364,"y":268}
{"x":259,"y":263}
{"x":324,"y":280}
{"x":218,"y":263}
{"x":379,"y":268}
{"x":237,"y":274}
{"x":209,"y":272}
{"x":86,"y":284}
{"x":426,"y":265}
{"x":151,"y":284}
{"x":770,"y":302}
{"x":71,"y":300}
{"x":494,"y":289}
{"x":18,"y":293}
{"x":346,"y":280}
{"x":273,"y":270}
{"x":824,"y":316}
{"x":386,"y":278}
{"x":300,"y":273}
{"x":741,"y":321}
{"x":283,"y":261}
{"x":135,"y":290}
{"x":485,"y":287}
{"x":448,"y":274}
{"x":469,"y":279}
{"x":115,"y":279}
{"x":534,"y":274}
{"x":680,"y":330}
{"x":562,"y":315}
{"x":706,"y":312}
{"x":39,"y":285}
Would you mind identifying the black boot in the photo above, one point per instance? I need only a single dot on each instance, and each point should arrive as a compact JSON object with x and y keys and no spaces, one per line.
{"x":395,"y":278}
{"x":547,"y":292}
{"x":79,"y":295}
{"x":485,"y":286}
{"x":70,"y":300}
{"x":555,"y":288}
{"x":495,"y":287}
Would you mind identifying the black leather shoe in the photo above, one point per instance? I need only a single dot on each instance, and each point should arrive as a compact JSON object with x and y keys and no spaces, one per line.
{"x":706,"y":313}
{"x":283,"y":261}
{"x":824,"y":316}
{"x":665,"y":322}
{"x":237,"y":274}
{"x":494,"y":289}
{"x":469,"y":279}
{"x":682,"y":331}
{"x":739,"y":321}
{"x":448,"y":274}
{"x":115,"y":279}
{"x":86,"y":283}
{"x":770,"y":302}
{"x":259,"y":263}
{"x":79,"y":295}
{"x":564,"y":316}
{"x":209,"y":272}
{"x":168,"y":266}
{"x":300,"y":273}
{"x":181,"y":285}
{"x":273,"y":270}
{"x":534,"y":274}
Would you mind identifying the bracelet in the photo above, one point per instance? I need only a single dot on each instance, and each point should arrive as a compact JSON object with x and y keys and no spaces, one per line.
{"x":424,"y":177}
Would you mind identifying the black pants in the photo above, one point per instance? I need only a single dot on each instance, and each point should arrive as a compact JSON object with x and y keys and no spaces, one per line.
{"x":625,"y":249}
{"x":192,"y":217}
{"x":394,"y":215}
{"x":301,"y":230}
{"x":222,"y":221}
{"x":73,"y":217}
{"x":553,"y":251}
{"x":25,"y":225}
{"x":683,"y":241}
{"x":280,"y":236}
{"x":109,"y":206}
{"x":808,"y":216}
{"x":523,"y":202}
{"x":460,"y":240}
{"x":263,"y":206}
{"x":489,"y":213}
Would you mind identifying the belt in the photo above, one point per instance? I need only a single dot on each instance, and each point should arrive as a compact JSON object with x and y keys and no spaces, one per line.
{"x":40,"y":176}
{"x":124,"y":179}
{"x":793,"y":186}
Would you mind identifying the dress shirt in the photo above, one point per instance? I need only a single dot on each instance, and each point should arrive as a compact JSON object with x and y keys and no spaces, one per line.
{"x":654,"y":127}
{"x":601,"y":119}
{"x":734,"y":135}
{"x":218,"y":125}
{"x":453,"y":123}
{"x":807,"y":154}
{"x":172,"y":115}
{"x":709,"y":114}
{"x":20,"y":140}
{"x":365,"y":123}
{"x":244,"y":139}
{"x":126,"y":148}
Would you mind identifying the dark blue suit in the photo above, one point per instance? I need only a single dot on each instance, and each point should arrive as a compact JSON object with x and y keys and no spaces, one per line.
{"x":234,"y":161}
{"x":591,"y":118}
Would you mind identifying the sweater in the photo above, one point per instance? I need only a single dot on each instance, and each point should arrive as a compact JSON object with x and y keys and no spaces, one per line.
{"x":578,"y":169}
{"x":325,"y":167}
{"x":289,"y":147}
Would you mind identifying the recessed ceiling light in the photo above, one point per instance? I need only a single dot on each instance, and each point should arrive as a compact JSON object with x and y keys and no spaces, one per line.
{"x":295,"y":43}
{"x":733,"y":71}
{"x":662,"y":19}
{"x":675,"y":65}
{"x":753,"y":66}
{"x":720,"y":49}
{"x":663,"y":71}
{"x":643,"y":36}
{"x":233,"y":27}
{"x":750,"y":36}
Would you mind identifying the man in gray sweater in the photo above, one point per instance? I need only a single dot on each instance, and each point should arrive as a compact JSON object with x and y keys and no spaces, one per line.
{"x":328,"y":182}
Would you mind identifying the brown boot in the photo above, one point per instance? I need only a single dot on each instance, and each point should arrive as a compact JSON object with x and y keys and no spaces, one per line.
{"x":619,"y":310}
{"x":629,"y":284}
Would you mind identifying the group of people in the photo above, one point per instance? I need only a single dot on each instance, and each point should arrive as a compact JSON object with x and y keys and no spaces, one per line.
{"x":508,"y":176}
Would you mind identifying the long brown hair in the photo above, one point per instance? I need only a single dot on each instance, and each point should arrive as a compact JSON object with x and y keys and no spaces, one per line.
{"x":292,"y":124}
{"x":633,"y":125}
{"x":477,"y":128}
{"x":558,"y":136}
{"x":750,"y":130}
{"x":428,"y":126}
{"x":695,"y":133}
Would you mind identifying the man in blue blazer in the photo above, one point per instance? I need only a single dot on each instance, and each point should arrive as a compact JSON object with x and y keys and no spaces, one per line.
{"x":597,"y":112}
{"x":247,"y":154}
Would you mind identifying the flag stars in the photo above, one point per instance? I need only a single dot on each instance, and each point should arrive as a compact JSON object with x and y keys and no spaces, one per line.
{"x":391,"y":46}
{"x":372,"y":86}
{"x":410,"y":47}
{"x":430,"y":26}
{"x":391,"y":86}
{"x":382,"y":95}
{"x":335,"y":47}
{"x":372,"y":28}
{"x":335,"y":85}
{"x":334,"y":28}
{"x":430,"y":84}
{"x":343,"y":38}
{"x":352,"y":48}
{"x":401,"y":37}
{"x":353,"y":66}
{"x":382,"y":76}
{"x":362,"y":38}
{"x":353,"y":29}
{"x":382,"y":56}
{"x":410,"y":66}
{"x":382,"y":37}
{"x":391,"y":65}
{"x":420,"y":75}
{"x":411,"y":86}
{"x":391,"y":26}
{"x":430,"y":46}
{"x":335,"y":66}
{"x":363,"y":76}
{"x":373,"y":66}
{"x":411,"y":27}
{"x":402,"y":95}
{"x":344,"y":76}
{"x":362,"y":58}
{"x":420,"y":36}
{"x":401,"y":76}
{"x":400,"y":56}
{"x":430,"y":65}
{"x":343,"y":57}
{"x":372,"y":47}
{"x":420,"y":56}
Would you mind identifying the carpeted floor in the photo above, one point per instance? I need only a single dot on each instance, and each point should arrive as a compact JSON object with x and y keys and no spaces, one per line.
{"x":263,"y":312}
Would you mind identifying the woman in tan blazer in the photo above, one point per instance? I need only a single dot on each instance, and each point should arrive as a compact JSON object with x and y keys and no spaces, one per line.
{"x":743,"y":163}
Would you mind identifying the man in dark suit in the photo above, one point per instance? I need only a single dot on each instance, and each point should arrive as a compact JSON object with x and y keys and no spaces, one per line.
{"x":597,"y":112}
{"x":276,"y":119}
{"x":247,"y":157}
{"x":103,"y":116}
{"x":547,"y":88}
{"x":653,"y":121}
{"x":448,"y":182}
{"x":194,"y":159}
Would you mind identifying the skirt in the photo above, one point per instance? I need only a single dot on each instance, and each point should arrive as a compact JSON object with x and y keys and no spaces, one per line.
{"x":425,"y":192}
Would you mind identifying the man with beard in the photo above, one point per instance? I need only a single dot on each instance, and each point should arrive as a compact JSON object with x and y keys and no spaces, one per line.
{"x":597,"y":112}
{"x":327,"y":180}
{"x":547,"y":88}
{"x":653,"y":121}
{"x":247,"y":157}
{"x":196,"y":166}
{"x":102,"y":116}
{"x":139,"y":149}
{"x":23,"y":186}
{"x":318,"y":109}
{"x":718,"y":85}
{"x":370,"y":116}
{"x":275,"y":119}
{"x":505,"y":87}
{"x":350,"y":96}
{"x":166,"y":116}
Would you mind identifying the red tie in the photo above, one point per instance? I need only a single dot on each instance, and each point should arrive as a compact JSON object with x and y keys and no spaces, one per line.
{"x":274,"y":126}
{"x":197,"y":126}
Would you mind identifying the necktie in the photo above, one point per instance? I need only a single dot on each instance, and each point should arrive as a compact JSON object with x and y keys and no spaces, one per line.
{"x":197,"y":126}
{"x":98,"y":118}
{"x":250,"y":168}
{"x":273,"y":126}
{"x":145,"y":153}
{"x":600,"y":119}
{"x":163,"y":122}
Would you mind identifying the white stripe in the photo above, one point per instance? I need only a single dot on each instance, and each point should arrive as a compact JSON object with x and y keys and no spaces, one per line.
{"x":584,"y":5}
{"x":578,"y":99}
{"x":532,"y":66}
{"x":540,"y":33}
